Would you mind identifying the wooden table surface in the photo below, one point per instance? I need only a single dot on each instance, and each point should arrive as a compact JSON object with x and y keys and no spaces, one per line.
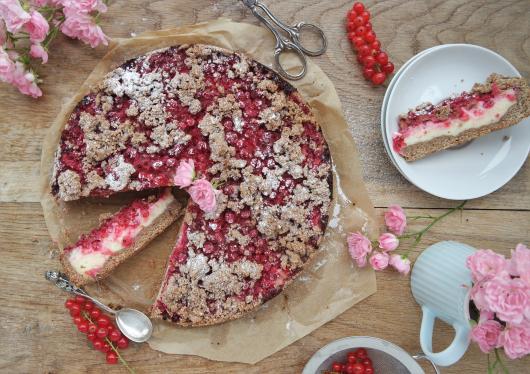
{"x":36,"y":334}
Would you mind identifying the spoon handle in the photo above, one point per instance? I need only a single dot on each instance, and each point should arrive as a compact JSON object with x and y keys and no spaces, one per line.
{"x":61,"y":281}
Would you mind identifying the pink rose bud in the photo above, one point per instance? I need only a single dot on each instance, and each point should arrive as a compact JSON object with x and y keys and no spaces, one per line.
{"x":395,"y":219}
{"x":520,"y":263}
{"x":14,"y":16}
{"x":379,"y":261}
{"x":486,"y":264}
{"x":400,"y":263}
{"x":37,"y":27}
{"x":359,"y":247}
{"x":486,"y":335}
{"x":508,"y":298}
{"x":185,"y":174}
{"x":516,"y":340}
{"x":388,"y":242}
{"x":204,"y":195}
{"x":38,"y":51}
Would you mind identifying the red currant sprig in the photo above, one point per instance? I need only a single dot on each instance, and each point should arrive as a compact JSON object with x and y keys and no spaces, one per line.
{"x":376,"y":66}
{"x":99,"y":329}
{"x":357,"y":362}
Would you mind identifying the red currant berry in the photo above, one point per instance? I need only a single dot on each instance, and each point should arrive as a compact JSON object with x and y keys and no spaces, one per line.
{"x":351,"y":15}
{"x":368,"y":370}
{"x":358,"y":42}
{"x":358,"y":368}
{"x":111,"y":327}
{"x":122,"y":343}
{"x":352,"y":354}
{"x":359,"y":58}
{"x":92,"y":328}
{"x":376,"y":45}
{"x":358,"y":7}
{"x":95,"y":313}
{"x":103,"y":321}
{"x":378,"y":79}
{"x":382,"y":58}
{"x":80,"y":300}
{"x":364,"y":50}
{"x":352,"y":360}
{"x":361,"y":353}
{"x":368,"y":61}
{"x":360,"y":31}
{"x":336,"y":367}
{"x":358,"y":21}
{"x":78,"y":319}
{"x":102,"y":332}
{"x":368,"y":26}
{"x":75,"y":309}
{"x":388,"y":67}
{"x":114,"y":335}
{"x":83,"y":327}
{"x":365,"y":16}
{"x":348,"y":369}
{"x":88,"y":305}
{"x":352,"y":36}
{"x":91,"y":336}
{"x":68,"y":303}
{"x":369,"y":36}
{"x":350,"y":26}
{"x":105,"y":348}
{"x":98,"y":344}
{"x":368,"y":73}
{"x":112,"y":358}
{"x":366,"y":362}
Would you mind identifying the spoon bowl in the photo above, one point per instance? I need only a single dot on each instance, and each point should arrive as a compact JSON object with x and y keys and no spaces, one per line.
{"x":134,"y":325}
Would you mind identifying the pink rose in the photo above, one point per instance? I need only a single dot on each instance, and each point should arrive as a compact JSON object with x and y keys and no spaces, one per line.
{"x":37,"y":27}
{"x":185,"y":174}
{"x":81,"y":26}
{"x":516,"y":340}
{"x":7,"y":66}
{"x":18,"y":76}
{"x":13,"y":14}
{"x":508,"y":298}
{"x":359,"y":247}
{"x":388,"y":242}
{"x":520,"y":263}
{"x":485,"y":263}
{"x":478,"y":295}
{"x":486,"y":335}
{"x":203,"y":193}
{"x":395,"y":219}
{"x":83,"y":6}
{"x":400,"y":263}
{"x":38,"y":51}
{"x":379,"y":261}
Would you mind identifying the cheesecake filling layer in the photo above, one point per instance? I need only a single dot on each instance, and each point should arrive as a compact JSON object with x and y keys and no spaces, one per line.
{"x":117,"y":233}
{"x":481,"y":114}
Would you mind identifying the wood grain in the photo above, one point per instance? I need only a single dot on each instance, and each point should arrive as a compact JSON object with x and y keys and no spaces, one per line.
{"x":36,"y":333}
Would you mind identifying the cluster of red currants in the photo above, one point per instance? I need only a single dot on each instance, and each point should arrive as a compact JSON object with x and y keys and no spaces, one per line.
{"x":376,"y":66}
{"x":98,"y":327}
{"x":357,"y":362}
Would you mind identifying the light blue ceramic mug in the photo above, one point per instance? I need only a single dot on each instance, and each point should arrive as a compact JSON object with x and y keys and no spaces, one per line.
{"x":441,"y":283}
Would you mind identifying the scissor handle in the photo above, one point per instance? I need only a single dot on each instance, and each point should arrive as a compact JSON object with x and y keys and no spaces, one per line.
{"x":285,"y":47}
{"x":295,"y":32}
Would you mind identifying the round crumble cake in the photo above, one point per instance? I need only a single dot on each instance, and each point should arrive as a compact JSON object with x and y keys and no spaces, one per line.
{"x":247,"y":131}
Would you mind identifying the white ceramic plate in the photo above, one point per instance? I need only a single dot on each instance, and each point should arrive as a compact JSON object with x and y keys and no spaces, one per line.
{"x":480,"y":167}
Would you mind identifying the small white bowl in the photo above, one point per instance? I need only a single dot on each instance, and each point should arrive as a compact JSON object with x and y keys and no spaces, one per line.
{"x":480,"y":167}
{"x":386,"y":357}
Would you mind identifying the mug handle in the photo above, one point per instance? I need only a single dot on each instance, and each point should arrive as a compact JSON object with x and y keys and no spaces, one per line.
{"x":456,"y":349}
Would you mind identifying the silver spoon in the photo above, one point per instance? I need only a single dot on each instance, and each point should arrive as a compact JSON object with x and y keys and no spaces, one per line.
{"x":132,"y":323}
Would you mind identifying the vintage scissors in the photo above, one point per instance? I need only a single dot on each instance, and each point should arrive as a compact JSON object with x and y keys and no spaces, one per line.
{"x":288,"y":38}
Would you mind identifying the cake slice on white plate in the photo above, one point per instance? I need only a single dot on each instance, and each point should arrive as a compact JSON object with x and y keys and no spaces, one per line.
{"x":499,"y":103}
{"x":97,"y":253}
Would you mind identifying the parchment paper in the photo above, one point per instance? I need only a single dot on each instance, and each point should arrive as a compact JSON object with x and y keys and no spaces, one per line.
{"x":330,"y":284}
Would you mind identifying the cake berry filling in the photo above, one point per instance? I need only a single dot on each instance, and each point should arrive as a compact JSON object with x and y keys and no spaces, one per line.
{"x":454,"y":116}
{"x":244,"y":130}
{"x":89,"y":256}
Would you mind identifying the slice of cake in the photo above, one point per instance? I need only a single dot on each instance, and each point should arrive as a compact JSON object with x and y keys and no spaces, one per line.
{"x":118,"y":237}
{"x":499,"y":103}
